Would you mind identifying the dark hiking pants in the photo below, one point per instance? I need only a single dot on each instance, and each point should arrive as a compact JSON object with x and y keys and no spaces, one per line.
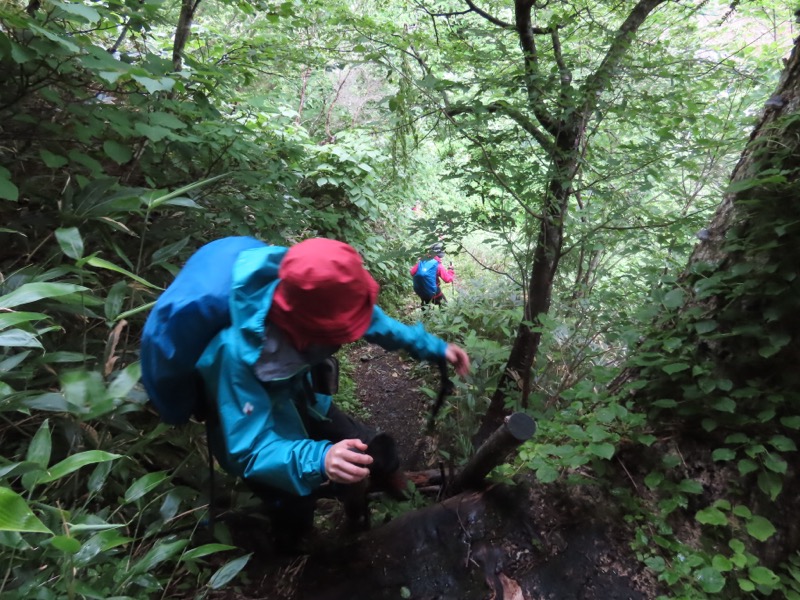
{"x":292,"y":516}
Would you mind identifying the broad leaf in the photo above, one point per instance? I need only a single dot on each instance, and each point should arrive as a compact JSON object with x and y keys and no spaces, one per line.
{"x":15,"y":515}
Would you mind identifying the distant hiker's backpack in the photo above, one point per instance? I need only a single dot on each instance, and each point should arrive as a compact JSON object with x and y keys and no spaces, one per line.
{"x":192,"y":310}
{"x":425,"y":284}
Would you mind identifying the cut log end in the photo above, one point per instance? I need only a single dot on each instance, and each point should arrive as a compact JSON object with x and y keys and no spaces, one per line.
{"x":520,"y":426}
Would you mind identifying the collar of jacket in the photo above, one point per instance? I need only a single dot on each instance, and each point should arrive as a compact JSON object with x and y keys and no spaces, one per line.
{"x":280,"y":360}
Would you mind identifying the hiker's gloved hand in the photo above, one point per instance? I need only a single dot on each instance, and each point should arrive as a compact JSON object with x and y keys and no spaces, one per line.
{"x":346,"y":462}
{"x":457,"y":357}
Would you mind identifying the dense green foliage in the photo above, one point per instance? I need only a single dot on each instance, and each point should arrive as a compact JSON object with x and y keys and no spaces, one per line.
{"x":124,"y":146}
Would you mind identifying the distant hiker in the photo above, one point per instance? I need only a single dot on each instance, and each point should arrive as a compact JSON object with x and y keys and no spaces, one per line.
{"x":254,"y":326}
{"x":427,"y":273}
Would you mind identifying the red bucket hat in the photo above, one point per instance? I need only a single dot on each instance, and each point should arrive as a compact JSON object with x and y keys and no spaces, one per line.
{"x":325,"y":295}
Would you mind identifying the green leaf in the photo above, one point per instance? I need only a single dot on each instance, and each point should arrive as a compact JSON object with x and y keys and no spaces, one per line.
{"x":604,"y":450}
{"x":53,"y":161}
{"x":674,"y":298}
{"x":675,"y":368}
{"x":747,"y":466}
{"x":721,"y":563}
{"x":746,"y":585}
{"x":168,"y":252}
{"x":723,"y":454}
{"x":75,"y":462}
{"x":41,"y":446}
{"x":711,"y":580}
{"x":159,"y":553}
{"x":770,"y":483}
{"x":791,"y":422}
{"x":742,"y":511}
{"x":227,"y":572}
{"x":546,"y":474}
{"x":164,"y":84}
{"x":117,"y":152}
{"x":746,"y":184}
{"x":8,"y":191}
{"x":65,"y":543}
{"x":780,"y":339}
{"x":84,"y":527}
{"x":775,"y":463}
{"x":737,"y":546}
{"x":665,"y":403}
{"x":154,"y":134}
{"x":205,"y":550}
{"x":99,"y":476}
{"x":17,"y":338}
{"x":656,"y":563}
{"x":104,"y":264}
{"x":70,"y":241}
{"x":763,"y":576}
{"x":690,"y":486}
{"x":64,"y":42}
{"x":166,"y":120}
{"x":115,"y":299}
{"x":724,"y":405}
{"x":50,"y":401}
{"x":711,"y":516}
{"x":33,"y":292}
{"x":18,"y":468}
{"x":86,"y":13}
{"x":653,"y":479}
{"x":703,"y":327}
{"x":782,"y":443}
{"x":86,"y":392}
{"x":143,"y":486}
{"x":125,"y":381}
{"x":15,"y":515}
{"x":760,"y":528}
{"x":156,"y":202}
{"x":646,"y":439}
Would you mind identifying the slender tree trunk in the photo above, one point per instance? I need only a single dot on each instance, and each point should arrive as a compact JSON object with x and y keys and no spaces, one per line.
{"x":182,"y":31}
{"x":540,"y":291}
{"x":566,"y":127}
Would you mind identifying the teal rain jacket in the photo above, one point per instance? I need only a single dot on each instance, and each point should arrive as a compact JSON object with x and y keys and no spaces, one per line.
{"x":259,"y":434}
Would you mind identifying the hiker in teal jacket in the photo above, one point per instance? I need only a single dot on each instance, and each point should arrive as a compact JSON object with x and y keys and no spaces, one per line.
{"x":267,"y":425}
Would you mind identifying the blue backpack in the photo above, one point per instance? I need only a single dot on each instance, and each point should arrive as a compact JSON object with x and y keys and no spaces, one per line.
{"x":425,"y":279}
{"x":190,"y":312}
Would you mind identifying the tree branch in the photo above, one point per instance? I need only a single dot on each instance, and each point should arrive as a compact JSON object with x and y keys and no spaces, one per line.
{"x":188,"y":9}
{"x":512,"y":113}
{"x":530,"y":61}
{"x":487,"y":16}
{"x":564,"y":72}
{"x":488,"y":268}
{"x":596,"y":82}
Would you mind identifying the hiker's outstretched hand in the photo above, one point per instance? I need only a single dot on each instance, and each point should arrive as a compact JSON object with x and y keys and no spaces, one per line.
{"x":457,"y":357}
{"x":345,"y":462}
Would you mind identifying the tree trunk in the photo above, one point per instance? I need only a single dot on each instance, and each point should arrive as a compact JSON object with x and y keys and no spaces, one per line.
{"x":182,"y":31}
{"x":741,"y":291}
{"x":540,"y":290}
{"x":563,"y":133}
{"x":718,"y":374}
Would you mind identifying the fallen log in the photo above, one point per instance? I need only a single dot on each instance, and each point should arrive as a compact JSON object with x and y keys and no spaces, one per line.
{"x":516,"y":429}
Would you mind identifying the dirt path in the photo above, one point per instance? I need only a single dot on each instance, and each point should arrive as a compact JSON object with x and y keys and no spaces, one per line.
{"x":389,"y":392}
